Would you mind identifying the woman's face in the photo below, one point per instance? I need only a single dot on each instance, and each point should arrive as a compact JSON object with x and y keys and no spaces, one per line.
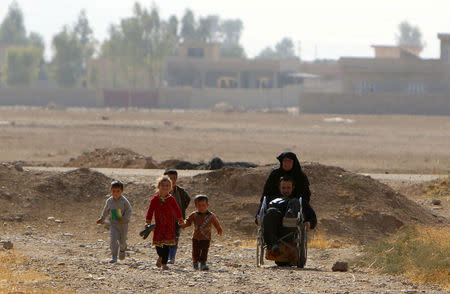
{"x":287,"y":164}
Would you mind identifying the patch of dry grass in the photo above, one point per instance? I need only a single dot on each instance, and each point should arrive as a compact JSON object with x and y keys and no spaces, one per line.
{"x":15,"y":277}
{"x":419,"y":253}
{"x":437,"y":189}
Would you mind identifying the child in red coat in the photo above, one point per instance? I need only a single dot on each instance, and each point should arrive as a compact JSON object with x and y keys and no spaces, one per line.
{"x":165,"y":209}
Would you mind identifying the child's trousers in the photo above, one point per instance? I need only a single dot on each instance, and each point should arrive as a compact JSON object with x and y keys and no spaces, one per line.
{"x":200,"y":250}
{"x":118,"y":237}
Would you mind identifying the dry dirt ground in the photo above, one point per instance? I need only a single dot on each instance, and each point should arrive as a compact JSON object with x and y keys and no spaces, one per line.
{"x":352,"y":209}
{"x":360,"y":143}
{"x":74,"y":253}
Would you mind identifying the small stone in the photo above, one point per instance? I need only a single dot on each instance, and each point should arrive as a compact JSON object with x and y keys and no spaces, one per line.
{"x":436,"y":202}
{"x":68,"y":234}
{"x":51,"y":218}
{"x":61,"y":263}
{"x":340,"y":266}
{"x":28,"y":233}
{"x":436,"y":208}
{"x":7,"y":245}
{"x":82,"y":245}
{"x":58,"y":221}
{"x":237,"y":243}
{"x":18,"y":166}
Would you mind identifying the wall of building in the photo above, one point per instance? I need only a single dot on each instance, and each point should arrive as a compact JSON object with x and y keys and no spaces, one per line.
{"x":385,"y":103}
{"x":245,"y":98}
{"x":44,"y":97}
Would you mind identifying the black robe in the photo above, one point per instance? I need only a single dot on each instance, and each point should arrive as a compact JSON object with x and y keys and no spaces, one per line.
{"x":271,"y":188}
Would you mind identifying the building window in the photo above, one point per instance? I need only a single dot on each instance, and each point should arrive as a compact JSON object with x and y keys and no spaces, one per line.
{"x":415,"y":88}
{"x":365,"y":87}
{"x":196,"y":52}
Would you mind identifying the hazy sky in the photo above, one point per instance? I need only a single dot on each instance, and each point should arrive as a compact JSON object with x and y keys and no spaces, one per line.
{"x":325,"y":28}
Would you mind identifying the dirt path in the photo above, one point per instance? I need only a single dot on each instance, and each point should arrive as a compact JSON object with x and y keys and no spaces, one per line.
{"x":78,"y":261}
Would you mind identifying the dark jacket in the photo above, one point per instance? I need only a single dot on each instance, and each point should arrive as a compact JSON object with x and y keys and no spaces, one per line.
{"x":182,"y":198}
{"x":271,"y":188}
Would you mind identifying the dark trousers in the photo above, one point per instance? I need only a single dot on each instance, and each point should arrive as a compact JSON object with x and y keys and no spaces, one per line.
{"x":200,"y":250}
{"x":163,"y":252}
{"x":273,"y":224}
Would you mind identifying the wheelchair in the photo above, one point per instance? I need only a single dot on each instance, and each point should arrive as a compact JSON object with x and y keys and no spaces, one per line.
{"x":293,"y":244}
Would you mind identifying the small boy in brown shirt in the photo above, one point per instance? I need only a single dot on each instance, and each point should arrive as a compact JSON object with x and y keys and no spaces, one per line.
{"x":202,"y":220}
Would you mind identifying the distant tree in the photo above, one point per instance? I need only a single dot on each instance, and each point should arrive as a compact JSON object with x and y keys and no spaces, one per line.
{"x":231,"y":30}
{"x":409,"y":35}
{"x":189,"y":27}
{"x":232,"y":51}
{"x":140,"y":43}
{"x":21,"y":65}
{"x":12,"y":29}
{"x":84,"y":34}
{"x":285,"y":48}
{"x":36,"y":40}
{"x":68,"y":58}
{"x":267,"y":52}
{"x":209,"y":29}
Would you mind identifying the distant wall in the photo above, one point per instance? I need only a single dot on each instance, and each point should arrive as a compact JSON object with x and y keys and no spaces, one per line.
{"x":246,"y":98}
{"x":386,"y":103}
{"x":46,"y":96}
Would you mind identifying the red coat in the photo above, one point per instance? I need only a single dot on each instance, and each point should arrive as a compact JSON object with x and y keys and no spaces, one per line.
{"x":165,"y":214}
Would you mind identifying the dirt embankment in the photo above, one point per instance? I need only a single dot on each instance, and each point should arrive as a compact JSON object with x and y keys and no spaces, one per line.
{"x":125,"y":158}
{"x":350,"y":207}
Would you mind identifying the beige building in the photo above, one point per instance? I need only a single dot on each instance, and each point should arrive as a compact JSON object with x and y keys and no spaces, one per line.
{"x":397,"y":69}
{"x":199,"y":65}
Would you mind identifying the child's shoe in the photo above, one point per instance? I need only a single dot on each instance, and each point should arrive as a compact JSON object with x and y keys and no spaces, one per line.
{"x":165,"y":267}
{"x":159,"y":262}
{"x":122,"y":254}
{"x":203,"y":266}
{"x":195,"y":264}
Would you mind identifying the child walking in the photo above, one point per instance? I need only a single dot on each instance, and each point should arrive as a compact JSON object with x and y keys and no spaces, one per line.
{"x":201,"y":239}
{"x":183,"y":199}
{"x":165,"y":209}
{"x":120,"y":209}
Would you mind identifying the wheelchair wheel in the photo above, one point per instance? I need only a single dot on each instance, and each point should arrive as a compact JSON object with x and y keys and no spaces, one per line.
{"x":260,"y":248}
{"x":302,"y":247}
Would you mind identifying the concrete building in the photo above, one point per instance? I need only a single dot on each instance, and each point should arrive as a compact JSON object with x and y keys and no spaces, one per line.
{"x":199,"y":65}
{"x":397,"y":69}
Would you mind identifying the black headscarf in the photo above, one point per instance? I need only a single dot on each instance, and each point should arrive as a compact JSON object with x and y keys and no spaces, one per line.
{"x":301,"y":189}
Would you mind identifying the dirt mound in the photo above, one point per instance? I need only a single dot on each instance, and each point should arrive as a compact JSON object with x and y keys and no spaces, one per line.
{"x":112,"y":158}
{"x":79,"y":185}
{"x":350,"y":207}
{"x":215,"y":163}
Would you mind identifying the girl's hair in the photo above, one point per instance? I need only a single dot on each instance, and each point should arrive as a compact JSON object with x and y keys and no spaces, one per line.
{"x":163,"y":179}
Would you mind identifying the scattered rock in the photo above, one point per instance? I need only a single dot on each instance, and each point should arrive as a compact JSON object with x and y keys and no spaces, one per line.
{"x":237,"y":243}
{"x":340,"y":266}
{"x":59,"y":221}
{"x":7,"y":245}
{"x":68,"y":234}
{"x":51,"y":218}
{"x":28,"y":233}
{"x":18,"y":166}
{"x":436,"y":202}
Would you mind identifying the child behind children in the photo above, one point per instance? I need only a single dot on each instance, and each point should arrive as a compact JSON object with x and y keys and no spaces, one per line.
{"x":120,"y":210}
{"x":183,"y":200}
{"x":202,"y":219}
{"x":164,"y":207}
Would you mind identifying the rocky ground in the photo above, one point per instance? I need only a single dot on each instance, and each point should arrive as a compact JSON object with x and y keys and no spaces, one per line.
{"x":50,"y":217}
